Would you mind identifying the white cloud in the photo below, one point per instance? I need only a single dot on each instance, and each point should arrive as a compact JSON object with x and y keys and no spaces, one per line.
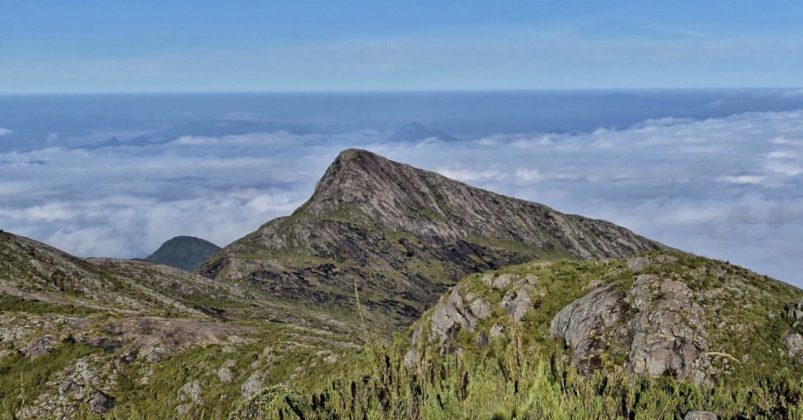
{"x":528,"y":175}
{"x":728,"y":187}
{"x":470,"y":175}
{"x":744,"y":179}
{"x":5,"y":131}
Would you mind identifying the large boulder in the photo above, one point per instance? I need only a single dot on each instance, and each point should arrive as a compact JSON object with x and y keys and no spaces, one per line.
{"x":656,"y":323}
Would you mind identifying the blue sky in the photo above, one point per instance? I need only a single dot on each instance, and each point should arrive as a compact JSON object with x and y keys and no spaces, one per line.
{"x":62,"y":46}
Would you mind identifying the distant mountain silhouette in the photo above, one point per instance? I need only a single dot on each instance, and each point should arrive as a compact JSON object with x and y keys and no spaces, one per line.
{"x":417,"y":132}
{"x":184,"y":252}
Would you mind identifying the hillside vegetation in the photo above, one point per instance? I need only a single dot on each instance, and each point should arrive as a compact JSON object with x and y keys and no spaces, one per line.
{"x":490,"y":349}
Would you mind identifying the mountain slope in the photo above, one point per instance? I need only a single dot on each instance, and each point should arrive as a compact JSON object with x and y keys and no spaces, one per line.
{"x":81,"y":338}
{"x":183,"y":252}
{"x":401,"y":236}
{"x":657,"y":336}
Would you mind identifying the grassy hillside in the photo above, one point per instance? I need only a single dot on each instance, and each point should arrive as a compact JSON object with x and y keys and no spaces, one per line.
{"x":493,"y":366}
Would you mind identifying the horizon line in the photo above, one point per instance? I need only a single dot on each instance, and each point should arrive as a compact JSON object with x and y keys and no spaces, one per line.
{"x":396,"y":91}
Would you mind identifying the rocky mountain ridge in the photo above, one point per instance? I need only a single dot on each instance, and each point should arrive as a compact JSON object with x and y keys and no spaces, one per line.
{"x":400,"y":236}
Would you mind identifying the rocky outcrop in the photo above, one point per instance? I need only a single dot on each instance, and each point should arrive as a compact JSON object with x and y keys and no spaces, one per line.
{"x":588,"y":325}
{"x":403,"y":235}
{"x":461,"y":310}
{"x":87,"y":380}
{"x":657,"y":323}
{"x":40,"y":346}
{"x":793,"y":338}
{"x":450,"y":315}
{"x":189,"y":395}
{"x":668,"y":333}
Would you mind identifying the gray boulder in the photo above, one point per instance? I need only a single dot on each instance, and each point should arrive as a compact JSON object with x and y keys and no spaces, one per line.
{"x":656,"y":323}
{"x":583,"y":324}
{"x":101,"y":402}
{"x":40,"y":346}
{"x":517,"y":302}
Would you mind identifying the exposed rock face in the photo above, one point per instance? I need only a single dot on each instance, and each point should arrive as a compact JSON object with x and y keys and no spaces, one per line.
{"x":404,"y":235}
{"x":656,"y":321}
{"x":793,"y":339}
{"x":585,"y":324}
{"x":183,"y":252}
{"x":667,"y":332}
{"x":668,"y":314}
{"x":460,"y":310}
{"x":450,"y":315}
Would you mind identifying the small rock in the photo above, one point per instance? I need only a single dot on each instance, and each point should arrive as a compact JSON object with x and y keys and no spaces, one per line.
{"x":503,"y":281}
{"x":235,"y":339}
{"x":482,"y":339}
{"x":225,"y":375}
{"x":665,"y":259}
{"x":517,"y":303}
{"x":794,"y":343}
{"x":101,"y":402}
{"x":700,"y":415}
{"x":593,"y":284}
{"x":488,"y":279}
{"x":251,"y":386}
{"x":40,"y":346}
{"x":480,"y":308}
{"x":638,"y":263}
{"x":410,"y":358}
{"x":191,"y":391}
{"x":496,"y":330}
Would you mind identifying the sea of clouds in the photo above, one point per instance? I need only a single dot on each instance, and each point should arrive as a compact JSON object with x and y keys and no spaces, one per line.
{"x":728,"y":187}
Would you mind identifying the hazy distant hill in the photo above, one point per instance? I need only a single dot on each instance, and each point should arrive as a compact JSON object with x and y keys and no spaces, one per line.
{"x":184,"y":252}
{"x":416,"y":132}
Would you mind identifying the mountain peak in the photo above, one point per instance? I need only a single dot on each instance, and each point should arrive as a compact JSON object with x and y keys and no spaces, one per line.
{"x":354,"y":174}
{"x":183,"y":252}
{"x":359,"y":157}
{"x":404,"y":234}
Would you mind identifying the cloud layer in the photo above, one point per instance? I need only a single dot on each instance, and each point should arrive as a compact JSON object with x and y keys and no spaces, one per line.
{"x":730,"y":188}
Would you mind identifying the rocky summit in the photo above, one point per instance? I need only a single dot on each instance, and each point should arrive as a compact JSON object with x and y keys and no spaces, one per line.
{"x":184,"y":252}
{"x":398,"y":236}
